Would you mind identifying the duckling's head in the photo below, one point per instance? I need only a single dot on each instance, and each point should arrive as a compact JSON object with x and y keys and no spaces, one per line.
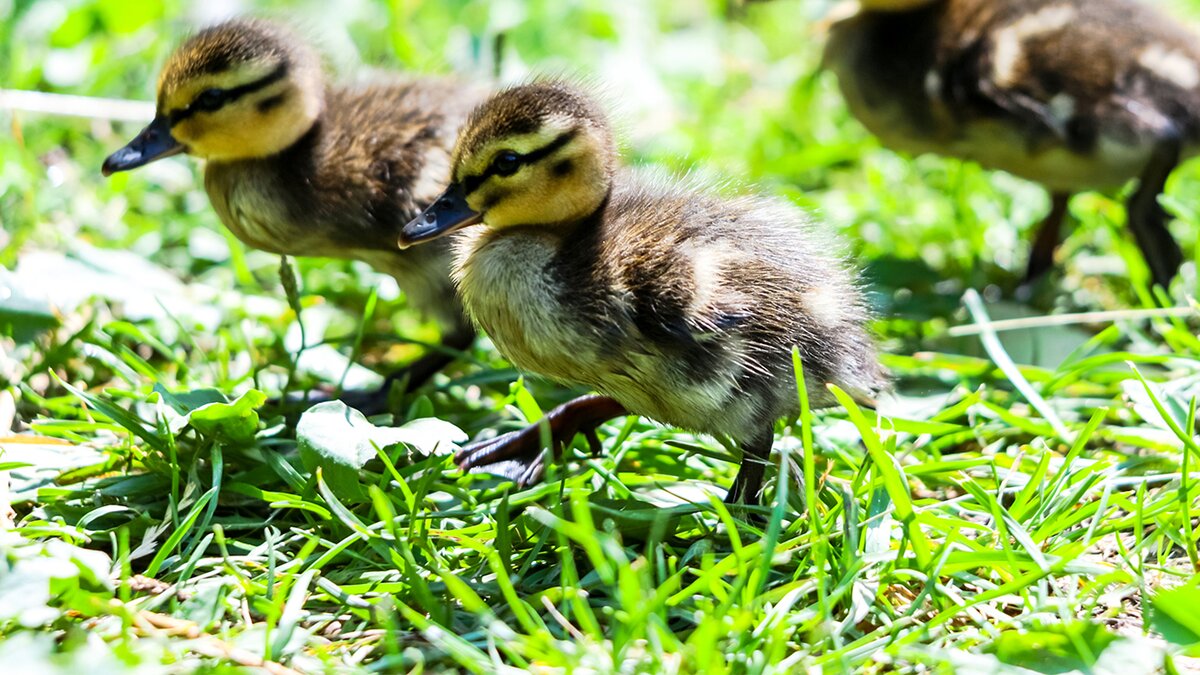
{"x":536,"y":154}
{"x":238,"y":90}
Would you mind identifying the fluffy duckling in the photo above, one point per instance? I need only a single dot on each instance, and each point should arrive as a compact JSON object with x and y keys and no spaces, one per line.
{"x":295,"y":166}
{"x":671,"y":301}
{"x":1073,"y":94}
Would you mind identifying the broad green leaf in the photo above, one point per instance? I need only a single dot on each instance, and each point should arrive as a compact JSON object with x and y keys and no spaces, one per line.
{"x":1175,"y":614}
{"x":340,"y":440}
{"x":237,"y":421}
{"x":1054,"y":648}
{"x":187,"y":401}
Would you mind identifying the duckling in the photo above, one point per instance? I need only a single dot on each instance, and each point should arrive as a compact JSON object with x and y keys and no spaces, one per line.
{"x":1072,"y":94}
{"x":299,"y":167}
{"x":671,"y":301}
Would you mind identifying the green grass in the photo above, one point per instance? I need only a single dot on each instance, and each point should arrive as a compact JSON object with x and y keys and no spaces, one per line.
{"x":1028,"y":498}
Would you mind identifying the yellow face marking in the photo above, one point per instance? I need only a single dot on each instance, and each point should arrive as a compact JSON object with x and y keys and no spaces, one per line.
{"x":562,"y":185}
{"x":477,"y":163}
{"x":179,"y":95}
{"x":276,"y":109}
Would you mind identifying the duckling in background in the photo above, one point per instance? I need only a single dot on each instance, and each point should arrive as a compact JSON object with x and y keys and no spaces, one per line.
{"x":295,"y":166}
{"x":1073,"y":94}
{"x":671,"y":301}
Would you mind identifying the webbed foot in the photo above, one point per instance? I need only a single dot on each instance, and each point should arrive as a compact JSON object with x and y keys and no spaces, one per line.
{"x":521,"y":456}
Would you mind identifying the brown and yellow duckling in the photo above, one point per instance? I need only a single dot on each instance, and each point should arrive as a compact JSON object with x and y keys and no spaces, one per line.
{"x":299,"y":167}
{"x":1073,"y":94}
{"x":671,"y":301}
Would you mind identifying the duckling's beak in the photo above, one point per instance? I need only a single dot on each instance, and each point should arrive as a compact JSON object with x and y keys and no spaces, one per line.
{"x":449,"y":213}
{"x":154,"y":142}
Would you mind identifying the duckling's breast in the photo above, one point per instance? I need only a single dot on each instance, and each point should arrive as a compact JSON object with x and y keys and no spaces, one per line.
{"x":249,"y":204}
{"x":291,"y":218}
{"x":506,"y":284}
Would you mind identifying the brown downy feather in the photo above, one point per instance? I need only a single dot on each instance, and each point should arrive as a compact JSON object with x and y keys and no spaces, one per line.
{"x":1073,"y":94}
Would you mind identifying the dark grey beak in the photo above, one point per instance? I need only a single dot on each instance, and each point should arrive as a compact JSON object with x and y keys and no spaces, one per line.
{"x":449,"y":213}
{"x":154,"y":142}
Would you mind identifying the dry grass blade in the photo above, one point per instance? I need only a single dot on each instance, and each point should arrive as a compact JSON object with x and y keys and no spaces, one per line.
{"x":996,"y":350}
{"x":1077,"y":318}
{"x":154,"y":624}
{"x":117,"y":110}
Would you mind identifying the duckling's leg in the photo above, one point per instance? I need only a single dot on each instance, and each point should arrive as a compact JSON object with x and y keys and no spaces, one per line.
{"x":518,"y":455}
{"x":375,"y":401}
{"x":414,"y":375}
{"x":1148,"y":220}
{"x":749,"y":481}
{"x":1049,"y":234}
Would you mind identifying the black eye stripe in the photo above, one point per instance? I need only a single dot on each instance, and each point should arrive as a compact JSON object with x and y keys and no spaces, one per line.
{"x":230,"y":95}
{"x":550,"y":148}
{"x":472,"y":183}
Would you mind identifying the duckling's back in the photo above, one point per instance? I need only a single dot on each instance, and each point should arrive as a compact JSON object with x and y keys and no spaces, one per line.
{"x":738,"y":282}
{"x":1071,"y":93}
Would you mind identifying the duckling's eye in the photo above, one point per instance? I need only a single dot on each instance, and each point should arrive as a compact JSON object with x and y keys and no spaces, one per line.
{"x":506,"y":163}
{"x":209,"y":99}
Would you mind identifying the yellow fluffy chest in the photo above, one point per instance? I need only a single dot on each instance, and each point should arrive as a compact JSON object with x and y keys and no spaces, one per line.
{"x":248,"y":210}
{"x":509,"y":290}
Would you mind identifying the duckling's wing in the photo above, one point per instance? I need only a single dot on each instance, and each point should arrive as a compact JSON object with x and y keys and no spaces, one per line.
{"x":1069,"y":72}
{"x":730,"y":286}
{"x":992,"y":77}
